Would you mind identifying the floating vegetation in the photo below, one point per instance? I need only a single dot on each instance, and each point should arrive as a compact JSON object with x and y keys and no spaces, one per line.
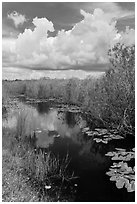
{"x":100,"y":140}
{"x":107,"y":137}
{"x":121,"y":154}
{"x":102,"y":135}
{"x":101,"y":131}
{"x":85,"y":129}
{"x":123,"y":175}
{"x":121,"y":172}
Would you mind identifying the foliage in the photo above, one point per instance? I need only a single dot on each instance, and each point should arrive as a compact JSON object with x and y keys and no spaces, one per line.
{"x":123,"y":175}
{"x":120,"y":171}
{"x":40,"y":168}
{"x":15,"y":186}
{"x":121,"y":154}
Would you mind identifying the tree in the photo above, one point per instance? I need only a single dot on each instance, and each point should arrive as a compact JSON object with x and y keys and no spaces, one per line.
{"x":120,"y":85}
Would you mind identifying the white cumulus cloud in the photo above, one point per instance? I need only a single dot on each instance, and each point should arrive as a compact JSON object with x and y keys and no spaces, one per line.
{"x":17,"y":18}
{"x":86,"y":44}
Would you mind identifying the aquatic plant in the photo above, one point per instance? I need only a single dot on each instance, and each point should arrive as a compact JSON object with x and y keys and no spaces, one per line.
{"x":106,"y":138}
{"x":120,"y":172}
{"x":102,"y":135}
{"x":121,"y":154}
{"x":123,"y":175}
{"x":44,"y":170}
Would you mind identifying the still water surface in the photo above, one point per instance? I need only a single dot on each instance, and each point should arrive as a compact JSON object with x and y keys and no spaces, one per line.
{"x":60,"y":132}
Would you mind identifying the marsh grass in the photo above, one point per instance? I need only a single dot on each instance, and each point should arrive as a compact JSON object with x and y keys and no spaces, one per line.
{"x":109,"y":100}
{"x":37,"y":168}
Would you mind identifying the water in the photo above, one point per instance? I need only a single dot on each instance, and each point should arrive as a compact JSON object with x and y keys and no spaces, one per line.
{"x":61,"y":133}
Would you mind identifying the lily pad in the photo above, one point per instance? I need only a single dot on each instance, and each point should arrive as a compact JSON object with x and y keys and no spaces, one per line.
{"x":123,"y":175}
{"x":131,"y":187}
{"x":120,"y":149}
{"x":113,"y":178}
{"x":85,"y":129}
{"x":120,"y":183}
{"x":110,"y":154}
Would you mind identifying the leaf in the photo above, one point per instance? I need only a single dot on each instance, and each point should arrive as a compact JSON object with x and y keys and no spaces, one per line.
{"x":113,"y":178}
{"x":120,"y":149}
{"x":131,"y":177}
{"x":85,"y":129}
{"x":133,"y":185}
{"x":98,"y":140}
{"x":120,"y":183}
{"x":123,"y":153}
{"x":115,"y":158}
{"x":110,"y":154}
{"x":130,"y":189}
{"x":116,"y":165}
{"x":104,"y":141}
{"x":89,"y":132}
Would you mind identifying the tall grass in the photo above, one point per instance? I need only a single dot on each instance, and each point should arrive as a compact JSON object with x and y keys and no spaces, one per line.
{"x":109,"y":99}
{"x":42,"y":169}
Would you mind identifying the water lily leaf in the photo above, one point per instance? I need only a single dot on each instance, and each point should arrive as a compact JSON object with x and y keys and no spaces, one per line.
{"x":118,"y":137}
{"x":120,"y":183}
{"x":115,"y":158}
{"x":109,"y":138}
{"x":110,"y":154}
{"x":110,"y":173}
{"x":126,"y":183}
{"x":113,"y":178}
{"x":97,"y":140}
{"x":133,"y":185}
{"x":130,"y":189}
{"x":131,"y":177}
{"x":104,"y":141}
{"x":116,"y":165}
{"x":124,"y":165}
{"x":90,"y":134}
{"x":129,"y":169}
{"x":123,"y":153}
{"x":97,"y":129}
{"x":106,"y":136}
{"x":85,"y":129}
{"x":120,"y":149}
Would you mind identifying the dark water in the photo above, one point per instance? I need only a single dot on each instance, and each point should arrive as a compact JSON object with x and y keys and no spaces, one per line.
{"x":60,"y":132}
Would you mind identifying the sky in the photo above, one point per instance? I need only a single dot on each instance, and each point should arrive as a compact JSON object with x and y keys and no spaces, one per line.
{"x":62,"y":39}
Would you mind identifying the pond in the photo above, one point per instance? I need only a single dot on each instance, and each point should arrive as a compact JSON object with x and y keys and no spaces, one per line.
{"x":62,"y":130}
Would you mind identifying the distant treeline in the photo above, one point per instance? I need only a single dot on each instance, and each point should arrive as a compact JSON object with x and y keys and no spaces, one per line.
{"x":110,"y":98}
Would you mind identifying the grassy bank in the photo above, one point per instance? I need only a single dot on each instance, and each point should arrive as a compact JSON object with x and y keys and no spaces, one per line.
{"x":31,"y":174}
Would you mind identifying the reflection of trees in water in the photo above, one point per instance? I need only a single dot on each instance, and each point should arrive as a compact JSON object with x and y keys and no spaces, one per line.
{"x":70,"y":119}
{"x":44,"y":140}
{"x":90,"y":149}
{"x":43,"y":107}
{"x":65,"y":124}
